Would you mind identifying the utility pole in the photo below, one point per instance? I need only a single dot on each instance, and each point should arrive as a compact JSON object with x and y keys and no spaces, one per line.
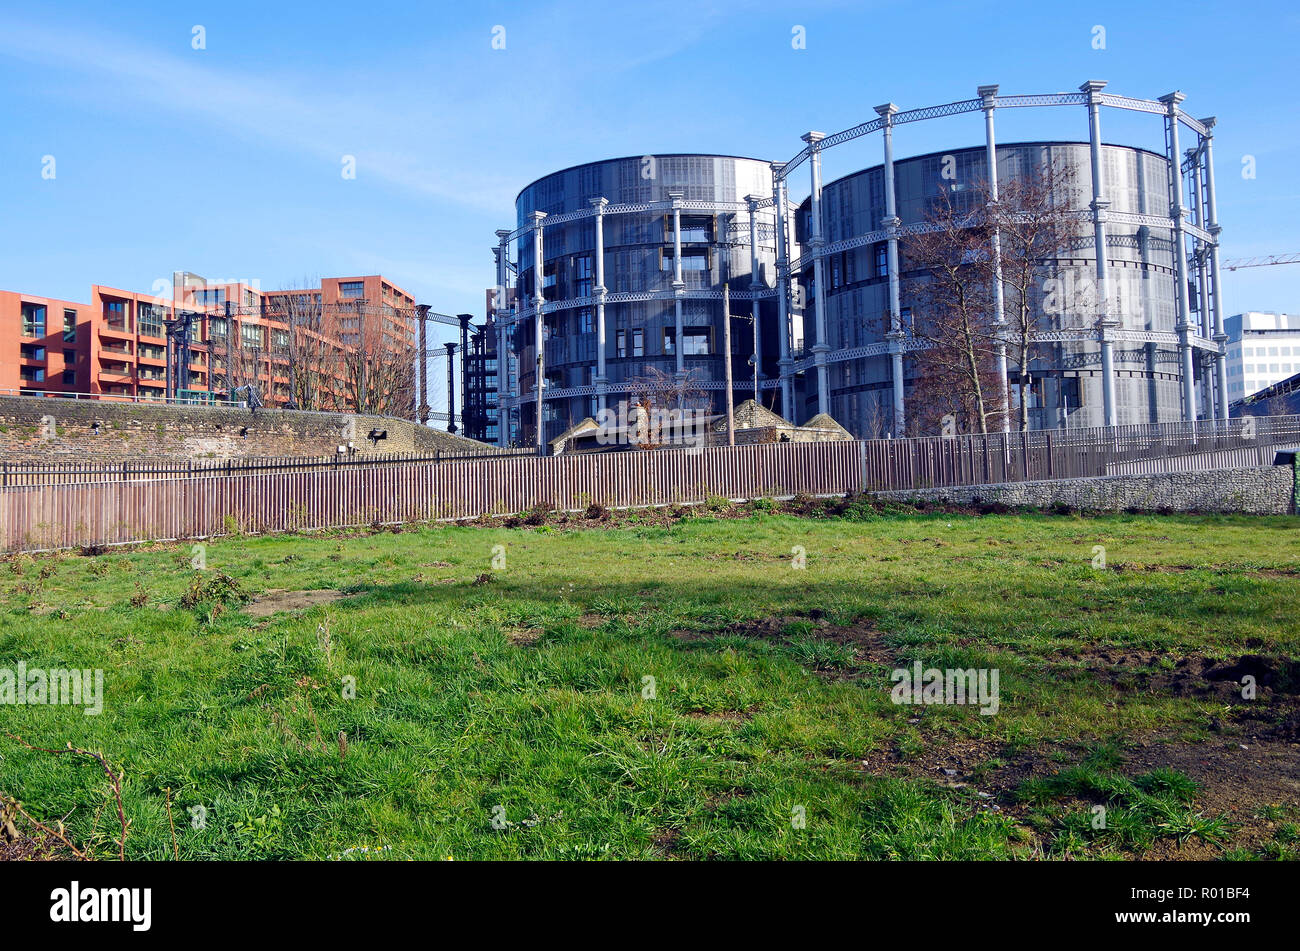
{"x":726,"y":346}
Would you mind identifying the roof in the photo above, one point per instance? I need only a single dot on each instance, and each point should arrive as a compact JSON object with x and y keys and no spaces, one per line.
{"x":751,"y":415}
{"x":637,"y":158}
{"x":575,"y":430}
{"x":825,"y":421}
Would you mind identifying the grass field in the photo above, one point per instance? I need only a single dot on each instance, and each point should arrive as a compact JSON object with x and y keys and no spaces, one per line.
{"x":673,"y":685}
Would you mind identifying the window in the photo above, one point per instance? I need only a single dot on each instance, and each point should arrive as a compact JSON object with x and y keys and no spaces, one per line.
{"x":638,"y":342}
{"x":693,"y":228}
{"x":69,"y":325}
{"x":31,"y":351}
{"x":620,"y":339}
{"x":69,"y":377}
{"x":251,"y":335}
{"x":115,"y":314}
{"x":695,"y":341}
{"x":32,"y":374}
{"x":882,"y":260}
{"x":33,"y":320}
{"x":670,"y":341}
{"x":352,"y":290}
{"x":582,"y":283}
{"x":149,"y":319}
{"x":1071,"y":395}
{"x":585,"y":323}
{"x":693,"y":260}
{"x":210,"y":296}
{"x":217,"y":326}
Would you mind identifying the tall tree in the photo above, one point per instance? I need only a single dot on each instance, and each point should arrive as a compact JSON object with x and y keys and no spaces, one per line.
{"x":377,"y":358}
{"x":1034,"y":224}
{"x":951,"y":263}
{"x":310,"y":356}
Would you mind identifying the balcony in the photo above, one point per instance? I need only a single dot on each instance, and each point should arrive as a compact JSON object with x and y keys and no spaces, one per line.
{"x":116,"y":330}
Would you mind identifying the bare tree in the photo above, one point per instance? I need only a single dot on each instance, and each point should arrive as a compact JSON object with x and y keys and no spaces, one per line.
{"x":658,"y":396}
{"x":377,"y":357}
{"x":1034,"y":225}
{"x":954,"y":316}
{"x":312,"y":359}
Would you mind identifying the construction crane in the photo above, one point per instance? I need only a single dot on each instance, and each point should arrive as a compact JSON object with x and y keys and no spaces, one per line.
{"x":1261,"y":261}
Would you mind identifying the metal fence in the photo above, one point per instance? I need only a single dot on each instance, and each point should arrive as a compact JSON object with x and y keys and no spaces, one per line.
{"x":150,"y":470}
{"x":296,"y":495}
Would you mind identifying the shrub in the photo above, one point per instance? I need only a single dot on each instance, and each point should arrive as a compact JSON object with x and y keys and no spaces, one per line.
{"x":217,"y":588}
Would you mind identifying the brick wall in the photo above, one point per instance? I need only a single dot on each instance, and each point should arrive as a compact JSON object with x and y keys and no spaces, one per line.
{"x":35,"y":429}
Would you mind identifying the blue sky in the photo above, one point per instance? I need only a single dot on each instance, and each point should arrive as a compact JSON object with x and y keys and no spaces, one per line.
{"x":227,"y":161}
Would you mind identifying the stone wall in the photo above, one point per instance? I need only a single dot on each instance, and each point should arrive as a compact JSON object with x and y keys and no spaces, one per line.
{"x":37,"y":429}
{"x":1258,"y":490}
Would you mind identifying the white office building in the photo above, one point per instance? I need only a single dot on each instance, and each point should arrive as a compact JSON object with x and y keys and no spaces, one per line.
{"x":1263,"y":349}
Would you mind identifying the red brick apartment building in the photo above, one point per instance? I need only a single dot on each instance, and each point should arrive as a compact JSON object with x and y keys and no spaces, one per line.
{"x":347,"y":344}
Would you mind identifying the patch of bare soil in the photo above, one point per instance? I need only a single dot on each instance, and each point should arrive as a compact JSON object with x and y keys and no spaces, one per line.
{"x":1240,"y":772}
{"x":665,"y":841}
{"x":1193,"y":675}
{"x":279,"y":599}
{"x":522,"y":636}
{"x":1238,"y":776}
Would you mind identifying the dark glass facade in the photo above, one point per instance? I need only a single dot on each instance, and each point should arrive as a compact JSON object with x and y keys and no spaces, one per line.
{"x":640,"y":317}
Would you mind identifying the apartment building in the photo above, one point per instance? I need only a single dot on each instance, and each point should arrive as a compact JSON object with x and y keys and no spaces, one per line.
{"x":327,"y":346}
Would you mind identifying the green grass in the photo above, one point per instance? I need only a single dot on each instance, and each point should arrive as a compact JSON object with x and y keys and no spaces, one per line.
{"x":516,"y":719}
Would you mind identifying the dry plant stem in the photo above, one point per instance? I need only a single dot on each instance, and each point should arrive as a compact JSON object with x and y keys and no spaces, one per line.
{"x":114,"y":779}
